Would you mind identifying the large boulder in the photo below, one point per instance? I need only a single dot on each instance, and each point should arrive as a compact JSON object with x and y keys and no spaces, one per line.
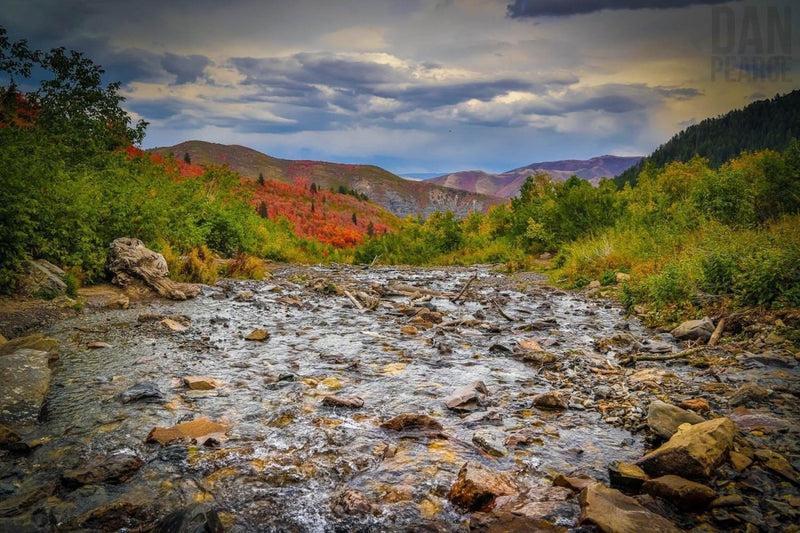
{"x":41,"y":278}
{"x":129,"y":261}
{"x":694,"y":329}
{"x":613,"y":512}
{"x":694,"y":451}
{"x":477,"y":487}
{"x":664,"y":419}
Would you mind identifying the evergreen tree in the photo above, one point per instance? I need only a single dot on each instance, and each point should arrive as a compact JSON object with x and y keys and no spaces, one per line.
{"x":187,"y":158}
{"x":260,"y":178}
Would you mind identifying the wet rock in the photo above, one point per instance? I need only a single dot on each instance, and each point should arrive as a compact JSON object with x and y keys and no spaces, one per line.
{"x":550,"y":400}
{"x":9,"y":439}
{"x":173,"y":325}
{"x":778,"y":464}
{"x":530,"y":345}
{"x":196,"y":518}
{"x":36,"y":341}
{"x":491,"y":441}
{"x":663,"y":418}
{"x":739,"y":461}
{"x":352,"y":502}
{"x":626,"y":476}
{"x":467,"y":398}
{"x":412,"y":422}
{"x":729,"y":500}
{"x":476,"y":487}
{"x":26,"y":377}
{"x":684,"y":494}
{"x":146,"y":390}
{"x":694,"y":329}
{"x":748,"y":392}
{"x":200,"y":382}
{"x":129,"y":260}
{"x":614,"y":512}
{"x":694,"y":451}
{"x":698,"y":405}
{"x":17,"y":504}
{"x":41,"y":278}
{"x":348,"y":402}
{"x":257,"y":335}
{"x":508,"y":522}
{"x":199,"y":430}
{"x":575,"y":484}
{"x":114,"y":469}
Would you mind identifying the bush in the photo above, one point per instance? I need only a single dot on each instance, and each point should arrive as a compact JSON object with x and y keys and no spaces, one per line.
{"x":244,"y":266}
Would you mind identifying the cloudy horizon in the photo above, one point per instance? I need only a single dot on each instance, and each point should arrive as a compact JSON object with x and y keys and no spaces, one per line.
{"x":423,"y":86}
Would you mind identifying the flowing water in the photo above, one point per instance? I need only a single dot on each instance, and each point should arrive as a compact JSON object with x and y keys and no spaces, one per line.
{"x":288,"y":459}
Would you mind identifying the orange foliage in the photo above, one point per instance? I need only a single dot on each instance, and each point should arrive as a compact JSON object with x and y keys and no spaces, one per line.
{"x":325,"y":216}
{"x":15,"y":110}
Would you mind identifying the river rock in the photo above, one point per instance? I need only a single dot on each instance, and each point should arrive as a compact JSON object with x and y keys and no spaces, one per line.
{"x":352,"y":502}
{"x":758,"y":419}
{"x":200,"y":430}
{"x":748,"y":392}
{"x":575,"y":484}
{"x":9,"y":439}
{"x":778,"y":464}
{"x":257,"y":335}
{"x":613,"y":512}
{"x":550,"y":400}
{"x":129,"y":261}
{"x":412,"y":422}
{"x":18,"y":503}
{"x":200,"y":382}
{"x":509,"y":522}
{"x":348,"y":402}
{"x":739,"y":461}
{"x":694,"y":329}
{"x":698,"y":405}
{"x":663,"y":418}
{"x":26,"y":377}
{"x":476,"y":487}
{"x":146,"y":390}
{"x":694,"y":451}
{"x":539,"y":357}
{"x":685,"y":494}
{"x":41,"y":278}
{"x":491,"y":441}
{"x":196,"y":518}
{"x":626,"y":476}
{"x":36,"y":341}
{"x":467,"y":398}
{"x":114,"y":469}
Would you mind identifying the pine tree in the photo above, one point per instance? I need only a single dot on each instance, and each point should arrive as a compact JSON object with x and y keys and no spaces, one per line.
{"x":260,"y":178}
{"x":355,"y":219}
{"x":187,"y":158}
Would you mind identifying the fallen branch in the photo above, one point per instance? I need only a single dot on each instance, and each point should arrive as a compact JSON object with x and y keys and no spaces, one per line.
{"x":502,"y":313}
{"x":667,"y":357}
{"x":353,"y":299}
{"x":469,"y":282}
{"x":374,"y":260}
{"x":717,"y":332}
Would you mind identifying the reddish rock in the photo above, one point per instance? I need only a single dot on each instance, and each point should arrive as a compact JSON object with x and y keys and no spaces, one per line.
{"x":477,"y":487}
{"x":698,"y":405}
{"x":467,"y":398}
{"x":200,"y":430}
{"x":685,"y":494}
{"x":739,"y":461}
{"x":550,"y":400}
{"x":200,"y":382}
{"x":576,"y":484}
{"x":411,"y":421}
{"x":613,"y":512}
{"x":349,"y":402}
{"x":506,"y":522}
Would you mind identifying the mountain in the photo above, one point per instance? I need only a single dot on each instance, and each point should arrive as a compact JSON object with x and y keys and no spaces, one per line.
{"x":764,"y":124}
{"x":507,"y":184}
{"x":395,"y":194}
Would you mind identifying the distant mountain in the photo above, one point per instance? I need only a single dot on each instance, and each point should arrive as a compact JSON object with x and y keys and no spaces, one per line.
{"x":764,"y":124}
{"x":397,"y":195}
{"x":507,"y":184}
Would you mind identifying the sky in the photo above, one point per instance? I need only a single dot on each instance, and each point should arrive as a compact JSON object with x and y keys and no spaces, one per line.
{"x":426,"y":86}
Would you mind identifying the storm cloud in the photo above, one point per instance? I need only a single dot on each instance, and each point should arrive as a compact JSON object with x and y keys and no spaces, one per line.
{"x":560,"y":8}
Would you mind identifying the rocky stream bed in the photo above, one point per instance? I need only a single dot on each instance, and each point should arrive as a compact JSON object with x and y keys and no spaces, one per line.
{"x":331,"y":399}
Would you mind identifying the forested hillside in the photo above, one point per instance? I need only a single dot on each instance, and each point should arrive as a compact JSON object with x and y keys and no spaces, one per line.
{"x":765,"y":124}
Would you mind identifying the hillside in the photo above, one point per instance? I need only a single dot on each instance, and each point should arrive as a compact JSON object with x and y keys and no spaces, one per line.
{"x":764,"y":124}
{"x":507,"y":184}
{"x":395,"y":194}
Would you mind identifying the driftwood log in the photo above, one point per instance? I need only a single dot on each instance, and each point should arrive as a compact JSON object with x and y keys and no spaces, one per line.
{"x":130,"y":261}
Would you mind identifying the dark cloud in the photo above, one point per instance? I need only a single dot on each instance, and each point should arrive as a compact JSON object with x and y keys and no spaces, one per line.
{"x":187,"y":69}
{"x":561,"y":8}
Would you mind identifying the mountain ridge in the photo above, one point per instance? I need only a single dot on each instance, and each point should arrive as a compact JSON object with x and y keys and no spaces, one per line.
{"x":507,"y":184}
{"x":399,"y":196}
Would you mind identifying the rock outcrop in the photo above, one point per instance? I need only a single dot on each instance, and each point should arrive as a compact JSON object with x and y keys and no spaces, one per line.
{"x":130,"y":261}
